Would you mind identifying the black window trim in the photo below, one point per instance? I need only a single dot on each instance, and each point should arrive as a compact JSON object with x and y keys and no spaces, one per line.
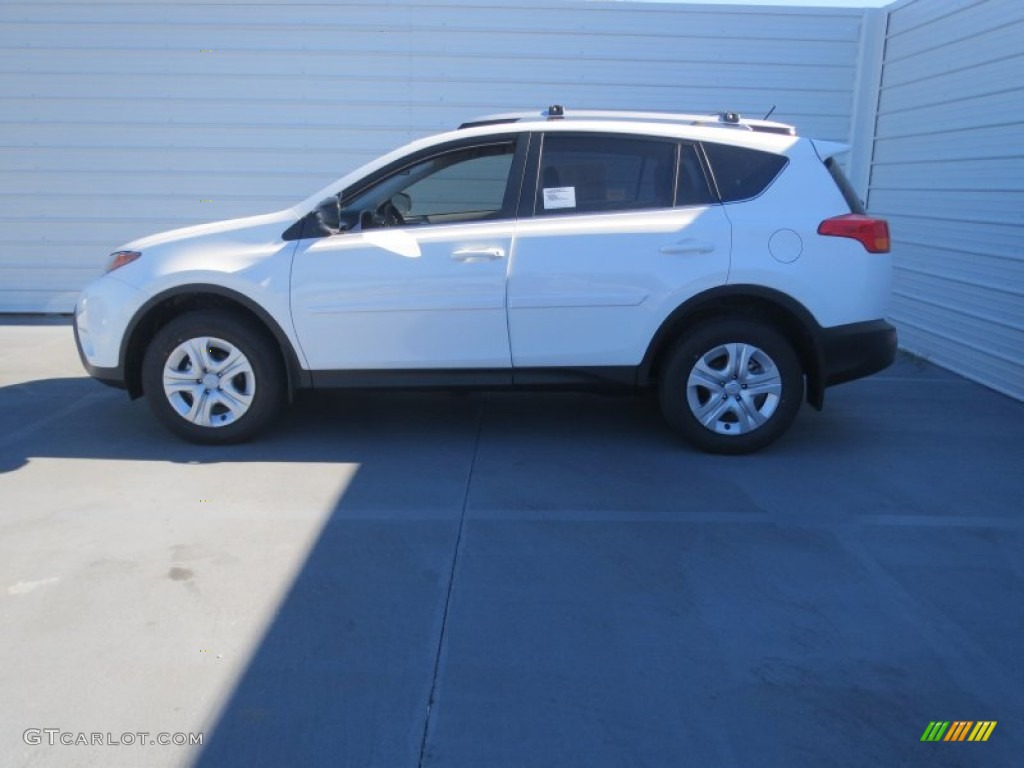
{"x":845,"y":187}
{"x":709,"y":177}
{"x":705,"y":168}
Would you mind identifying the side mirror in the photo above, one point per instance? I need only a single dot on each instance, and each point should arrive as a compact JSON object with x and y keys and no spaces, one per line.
{"x":328,"y":214}
{"x":332,"y":218}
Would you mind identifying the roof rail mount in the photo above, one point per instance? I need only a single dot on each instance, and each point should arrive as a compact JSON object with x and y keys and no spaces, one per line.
{"x":729,"y":120}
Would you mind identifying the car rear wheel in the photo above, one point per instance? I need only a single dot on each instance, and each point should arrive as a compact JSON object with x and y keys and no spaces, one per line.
{"x":212,"y":378}
{"x":732,"y":386}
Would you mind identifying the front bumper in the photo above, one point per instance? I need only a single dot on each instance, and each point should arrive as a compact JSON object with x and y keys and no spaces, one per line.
{"x":112,"y":377}
{"x":102,"y":314}
{"x":856,"y":350}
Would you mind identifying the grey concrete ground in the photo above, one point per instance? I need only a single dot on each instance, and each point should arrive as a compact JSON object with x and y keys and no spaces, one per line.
{"x":488,"y":580}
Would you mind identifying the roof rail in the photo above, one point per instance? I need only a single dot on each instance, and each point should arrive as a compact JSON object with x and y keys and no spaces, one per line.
{"x":730,"y":120}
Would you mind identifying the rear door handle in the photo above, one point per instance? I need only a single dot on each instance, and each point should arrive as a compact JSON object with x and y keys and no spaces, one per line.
{"x":690,"y":245}
{"x":478,"y":254}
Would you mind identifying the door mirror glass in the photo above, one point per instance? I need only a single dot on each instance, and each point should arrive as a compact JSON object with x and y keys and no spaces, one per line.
{"x":333,"y":219}
{"x":328,"y":214}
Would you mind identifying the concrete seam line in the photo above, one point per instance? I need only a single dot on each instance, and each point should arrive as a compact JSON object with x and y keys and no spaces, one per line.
{"x":442,"y":635}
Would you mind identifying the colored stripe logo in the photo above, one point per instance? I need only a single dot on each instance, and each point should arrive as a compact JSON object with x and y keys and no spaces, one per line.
{"x":959,"y":730}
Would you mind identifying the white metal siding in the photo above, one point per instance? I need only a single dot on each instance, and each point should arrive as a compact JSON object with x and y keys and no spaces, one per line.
{"x":122,"y":119}
{"x":948,"y":173}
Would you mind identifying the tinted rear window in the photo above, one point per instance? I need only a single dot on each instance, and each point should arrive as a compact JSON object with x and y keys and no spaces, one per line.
{"x":742,"y":173}
{"x":602,"y":173}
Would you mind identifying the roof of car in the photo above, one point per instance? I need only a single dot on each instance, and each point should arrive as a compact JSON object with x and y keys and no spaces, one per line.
{"x":726,"y":120}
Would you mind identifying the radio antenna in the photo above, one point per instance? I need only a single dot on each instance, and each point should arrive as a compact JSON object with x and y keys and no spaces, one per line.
{"x":769,"y":113}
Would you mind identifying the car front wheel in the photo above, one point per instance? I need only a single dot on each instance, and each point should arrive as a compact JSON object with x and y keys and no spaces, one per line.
{"x":732,"y":386}
{"x":212,"y":378}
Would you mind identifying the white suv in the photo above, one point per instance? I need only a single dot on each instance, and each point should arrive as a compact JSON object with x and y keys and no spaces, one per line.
{"x":724,"y":262}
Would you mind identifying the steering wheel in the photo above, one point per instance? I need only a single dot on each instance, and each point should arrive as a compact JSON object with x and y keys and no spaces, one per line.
{"x":389,"y":215}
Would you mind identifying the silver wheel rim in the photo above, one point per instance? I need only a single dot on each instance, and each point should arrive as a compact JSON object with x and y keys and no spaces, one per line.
{"x":209,"y":382}
{"x":734,"y":388}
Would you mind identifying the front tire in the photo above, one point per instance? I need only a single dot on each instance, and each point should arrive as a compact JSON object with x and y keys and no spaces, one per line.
{"x":731,"y":386}
{"x":211,"y":377}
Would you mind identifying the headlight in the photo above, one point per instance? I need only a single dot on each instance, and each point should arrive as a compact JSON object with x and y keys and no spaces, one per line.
{"x":119,"y":258}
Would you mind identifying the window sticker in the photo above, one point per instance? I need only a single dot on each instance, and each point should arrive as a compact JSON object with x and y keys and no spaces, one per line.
{"x":559,"y":197}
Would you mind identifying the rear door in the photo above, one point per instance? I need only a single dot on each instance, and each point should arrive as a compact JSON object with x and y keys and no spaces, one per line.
{"x":618,"y":230}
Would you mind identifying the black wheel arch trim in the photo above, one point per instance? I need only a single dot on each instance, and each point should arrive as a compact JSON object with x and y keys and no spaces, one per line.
{"x":297,"y":376}
{"x":738,"y":300}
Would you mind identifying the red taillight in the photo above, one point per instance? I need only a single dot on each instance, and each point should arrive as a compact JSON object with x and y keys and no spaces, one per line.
{"x":873,"y":234}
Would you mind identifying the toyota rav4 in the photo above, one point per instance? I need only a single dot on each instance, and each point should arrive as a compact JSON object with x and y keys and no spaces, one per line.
{"x":723,"y":262}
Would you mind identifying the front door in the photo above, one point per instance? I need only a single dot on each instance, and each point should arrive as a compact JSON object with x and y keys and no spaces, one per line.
{"x":416,"y":276}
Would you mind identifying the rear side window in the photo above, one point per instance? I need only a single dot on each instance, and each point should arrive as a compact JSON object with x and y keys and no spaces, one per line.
{"x":849,"y":194}
{"x":604,"y":173}
{"x":742,"y":173}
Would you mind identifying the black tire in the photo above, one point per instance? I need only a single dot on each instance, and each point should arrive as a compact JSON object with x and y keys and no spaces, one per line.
{"x":239,"y":404}
{"x":750,"y":420}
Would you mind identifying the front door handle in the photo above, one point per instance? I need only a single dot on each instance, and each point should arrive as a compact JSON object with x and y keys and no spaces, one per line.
{"x":478,"y":254}
{"x":690,"y":245}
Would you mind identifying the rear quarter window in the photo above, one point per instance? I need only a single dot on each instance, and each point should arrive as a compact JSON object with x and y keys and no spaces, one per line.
{"x":741,"y":173}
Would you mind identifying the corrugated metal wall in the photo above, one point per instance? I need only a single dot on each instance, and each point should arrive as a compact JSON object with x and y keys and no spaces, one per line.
{"x":118,"y":119}
{"x":948,"y":172}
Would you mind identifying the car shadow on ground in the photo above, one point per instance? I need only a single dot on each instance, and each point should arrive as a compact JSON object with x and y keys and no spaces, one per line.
{"x":75,"y":417}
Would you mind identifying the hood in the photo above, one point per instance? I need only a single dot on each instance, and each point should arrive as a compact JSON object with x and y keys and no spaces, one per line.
{"x":251,"y":228}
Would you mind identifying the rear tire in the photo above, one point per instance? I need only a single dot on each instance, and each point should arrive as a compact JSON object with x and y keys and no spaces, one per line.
{"x":732,"y":386}
{"x":211,"y":377}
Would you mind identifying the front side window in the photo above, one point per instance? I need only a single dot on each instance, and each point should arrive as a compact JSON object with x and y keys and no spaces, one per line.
{"x":465,"y":184}
{"x":581,"y":173}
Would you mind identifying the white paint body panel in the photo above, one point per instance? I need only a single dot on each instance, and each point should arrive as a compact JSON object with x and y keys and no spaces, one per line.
{"x":591,"y":290}
{"x":403,"y":298}
{"x":833,"y":277}
{"x":244,"y":255}
{"x":103,"y":312}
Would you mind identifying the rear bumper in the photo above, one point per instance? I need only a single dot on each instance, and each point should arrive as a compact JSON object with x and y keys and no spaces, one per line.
{"x":853,"y":351}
